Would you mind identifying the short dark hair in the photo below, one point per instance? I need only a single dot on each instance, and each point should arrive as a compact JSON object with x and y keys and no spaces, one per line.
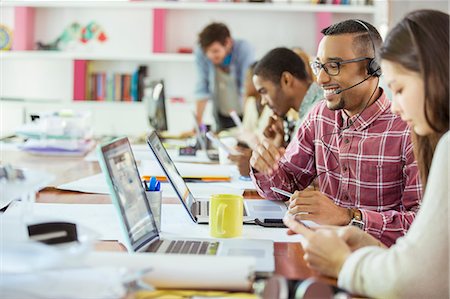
{"x":280,"y":60}
{"x":214,"y":32}
{"x":361,"y":42}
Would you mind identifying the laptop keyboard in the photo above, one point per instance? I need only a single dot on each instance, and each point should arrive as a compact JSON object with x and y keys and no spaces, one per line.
{"x":184,"y":247}
{"x":202,"y":208}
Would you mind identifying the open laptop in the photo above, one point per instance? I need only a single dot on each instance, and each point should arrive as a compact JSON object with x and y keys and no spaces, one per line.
{"x":138,"y":224}
{"x":198,"y":209}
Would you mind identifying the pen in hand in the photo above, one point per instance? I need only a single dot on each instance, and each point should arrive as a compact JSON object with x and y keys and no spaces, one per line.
{"x":282,"y":192}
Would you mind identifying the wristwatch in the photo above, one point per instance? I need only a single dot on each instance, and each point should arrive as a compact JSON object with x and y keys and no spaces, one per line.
{"x":356,"y":218}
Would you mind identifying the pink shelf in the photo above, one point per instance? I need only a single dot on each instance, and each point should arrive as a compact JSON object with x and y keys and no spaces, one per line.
{"x":323,"y":19}
{"x":79,"y":79}
{"x":159,"y":30}
{"x":23,"y":37}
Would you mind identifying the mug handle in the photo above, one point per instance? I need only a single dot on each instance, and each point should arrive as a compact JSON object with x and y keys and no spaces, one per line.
{"x":220,"y":218}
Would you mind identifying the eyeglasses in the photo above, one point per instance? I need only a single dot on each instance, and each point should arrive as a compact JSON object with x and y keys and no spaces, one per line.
{"x":333,"y":68}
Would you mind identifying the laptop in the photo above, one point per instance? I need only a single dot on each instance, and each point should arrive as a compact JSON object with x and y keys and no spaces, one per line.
{"x":138,"y":224}
{"x":198,"y":209}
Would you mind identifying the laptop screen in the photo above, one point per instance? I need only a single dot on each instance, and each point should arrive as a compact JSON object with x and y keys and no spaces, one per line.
{"x":171,"y":172}
{"x":127,"y":191}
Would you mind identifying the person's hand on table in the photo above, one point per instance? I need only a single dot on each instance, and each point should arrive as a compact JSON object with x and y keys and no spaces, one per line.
{"x":316,"y":206}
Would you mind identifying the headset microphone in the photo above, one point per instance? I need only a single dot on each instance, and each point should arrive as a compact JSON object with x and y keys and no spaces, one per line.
{"x":354,"y":85}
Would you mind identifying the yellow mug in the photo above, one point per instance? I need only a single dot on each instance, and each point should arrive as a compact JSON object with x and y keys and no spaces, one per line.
{"x":226,"y":215}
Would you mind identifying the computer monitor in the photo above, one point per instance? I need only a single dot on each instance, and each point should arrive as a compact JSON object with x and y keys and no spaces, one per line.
{"x":154,"y":99}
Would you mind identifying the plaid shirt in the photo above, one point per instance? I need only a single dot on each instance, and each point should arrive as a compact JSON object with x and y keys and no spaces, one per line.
{"x":369,"y":166}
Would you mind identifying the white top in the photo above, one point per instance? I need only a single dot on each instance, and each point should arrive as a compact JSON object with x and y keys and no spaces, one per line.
{"x":417,"y":266}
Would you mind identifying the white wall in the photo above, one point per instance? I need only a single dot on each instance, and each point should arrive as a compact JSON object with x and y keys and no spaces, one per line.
{"x":399,"y":8}
{"x":129,"y":31}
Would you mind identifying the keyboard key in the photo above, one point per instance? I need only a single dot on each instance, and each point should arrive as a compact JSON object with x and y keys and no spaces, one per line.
{"x":195,"y":247}
{"x":203,"y":248}
{"x":172,"y":244}
{"x":186,"y":247}
{"x":177,"y":247}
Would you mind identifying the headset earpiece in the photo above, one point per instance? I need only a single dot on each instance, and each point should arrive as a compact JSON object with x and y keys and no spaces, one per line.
{"x":373,"y":68}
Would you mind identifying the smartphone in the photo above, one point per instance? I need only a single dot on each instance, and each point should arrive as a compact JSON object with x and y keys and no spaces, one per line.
{"x":216,"y":140}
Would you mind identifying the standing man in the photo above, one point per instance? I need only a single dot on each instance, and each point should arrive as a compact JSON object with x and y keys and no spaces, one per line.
{"x":358,"y":149}
{"x":222,"y":63}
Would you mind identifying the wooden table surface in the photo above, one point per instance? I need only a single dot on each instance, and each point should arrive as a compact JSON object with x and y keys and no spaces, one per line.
{"x":288,"y":256}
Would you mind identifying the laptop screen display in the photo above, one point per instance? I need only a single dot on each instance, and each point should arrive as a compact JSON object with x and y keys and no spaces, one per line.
{"x":129,"y":193}
{"x":172,"y":173}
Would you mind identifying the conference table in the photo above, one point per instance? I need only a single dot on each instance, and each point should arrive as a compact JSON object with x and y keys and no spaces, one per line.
{"x":288,"y":256}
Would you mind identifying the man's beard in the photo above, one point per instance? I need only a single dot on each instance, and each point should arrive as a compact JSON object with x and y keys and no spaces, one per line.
{"x":340,"y":105}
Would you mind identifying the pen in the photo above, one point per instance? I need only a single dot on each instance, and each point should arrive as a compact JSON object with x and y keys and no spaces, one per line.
{"x":237,"y":121}
{"x":282,"y":192}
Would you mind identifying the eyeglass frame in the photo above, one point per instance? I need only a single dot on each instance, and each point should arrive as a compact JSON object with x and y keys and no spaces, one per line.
{"x":339,"y":63}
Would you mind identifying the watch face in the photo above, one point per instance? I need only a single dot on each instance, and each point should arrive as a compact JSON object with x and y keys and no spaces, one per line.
{"x":357,"y":223}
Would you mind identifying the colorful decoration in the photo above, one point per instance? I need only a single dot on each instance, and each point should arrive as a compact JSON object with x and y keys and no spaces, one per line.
{"x":75,"y":33}
{"x":5,"y":37}
{"x":92,"y":31}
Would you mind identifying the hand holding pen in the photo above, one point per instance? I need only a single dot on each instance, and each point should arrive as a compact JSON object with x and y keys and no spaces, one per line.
{"x":314,"y":205}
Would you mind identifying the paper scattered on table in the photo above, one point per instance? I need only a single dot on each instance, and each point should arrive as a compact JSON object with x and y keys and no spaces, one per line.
{"x":189,"y":170}
{"x":33,"y":181}
{"x":198,"y":271}
{"x":97,"y":184}
{"x":98,"y":283}
{"x":143,"y":152}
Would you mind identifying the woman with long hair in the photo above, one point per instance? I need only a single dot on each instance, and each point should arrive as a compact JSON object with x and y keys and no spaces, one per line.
{"x":415,"y":62}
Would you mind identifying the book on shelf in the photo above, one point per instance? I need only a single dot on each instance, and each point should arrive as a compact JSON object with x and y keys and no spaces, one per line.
{"x":114,"y":87}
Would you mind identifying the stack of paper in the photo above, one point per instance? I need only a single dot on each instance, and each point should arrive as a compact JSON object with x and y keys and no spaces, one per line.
{"x":64,"y":132}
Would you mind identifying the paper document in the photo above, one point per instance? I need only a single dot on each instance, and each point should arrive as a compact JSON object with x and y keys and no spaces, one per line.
{"x":189,"y":170}
{"x":97,"y":184}
{"x":196,"y":272}
{"x":67,"y":283}
{"x":142,"y":152}
{"x":16,"y":189}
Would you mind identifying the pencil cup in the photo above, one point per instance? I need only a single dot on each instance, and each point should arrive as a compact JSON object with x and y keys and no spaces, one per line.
{"x":154,"y":200}
{"x":226,"y":215}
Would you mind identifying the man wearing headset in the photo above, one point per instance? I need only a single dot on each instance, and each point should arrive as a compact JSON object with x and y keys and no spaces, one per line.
{"x":358,"y":149}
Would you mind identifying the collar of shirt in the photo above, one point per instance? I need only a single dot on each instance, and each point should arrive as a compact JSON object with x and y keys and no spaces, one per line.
{"x":369,"y":115}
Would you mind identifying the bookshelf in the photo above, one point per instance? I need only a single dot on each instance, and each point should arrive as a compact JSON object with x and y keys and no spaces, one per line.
{"x":146,"y":57}
{"x":155,"y":31}
{"x":174,"y":5}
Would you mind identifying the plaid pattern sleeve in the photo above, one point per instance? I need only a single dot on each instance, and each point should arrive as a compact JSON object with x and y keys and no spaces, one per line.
{"x":369,"y":166}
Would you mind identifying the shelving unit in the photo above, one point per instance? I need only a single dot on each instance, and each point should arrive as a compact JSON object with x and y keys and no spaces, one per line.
{"x":162,"y":28}
{"x":157,"y":57}
{"x":174,"y":5}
